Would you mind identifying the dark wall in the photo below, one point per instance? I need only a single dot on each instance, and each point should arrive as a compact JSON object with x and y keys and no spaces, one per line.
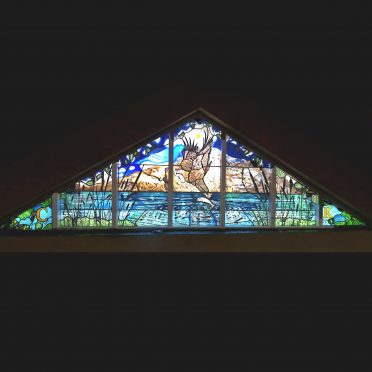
{"x":309,"y":312}
{"x":78,"y":89}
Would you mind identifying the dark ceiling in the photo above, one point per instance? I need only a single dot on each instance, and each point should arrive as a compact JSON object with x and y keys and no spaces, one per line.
{"x":63,"y":78}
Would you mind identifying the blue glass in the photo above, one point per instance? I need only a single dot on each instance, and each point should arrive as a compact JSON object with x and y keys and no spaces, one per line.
{"x":142,"y":209}
{"x":332,"y":216}
{"x":154,"y":152}
{"x":195,"y":209}
{"x":145,"y":169}
{"x":195,"y":135}
{"x":246,"y":209}
{"x":39,"y":217}
{"x":239,"y":155}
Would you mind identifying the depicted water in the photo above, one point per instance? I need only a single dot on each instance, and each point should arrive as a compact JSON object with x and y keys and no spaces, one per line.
{"x":192,"y":209}
{"x":245,"y":209}
{"x":195,"y":209}
{"x":151,"y":209}
{"x":143,"y":209}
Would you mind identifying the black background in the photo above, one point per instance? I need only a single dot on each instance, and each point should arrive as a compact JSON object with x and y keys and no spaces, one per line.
{"x":167,"y":311}
{"x":312,"y":74}
{"x":307,"y":312}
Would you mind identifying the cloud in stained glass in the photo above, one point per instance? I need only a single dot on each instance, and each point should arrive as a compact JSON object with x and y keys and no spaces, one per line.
{"x":146,"y":169}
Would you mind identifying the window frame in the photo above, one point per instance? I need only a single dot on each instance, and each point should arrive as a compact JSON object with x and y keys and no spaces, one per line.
{"x":201,"y":113}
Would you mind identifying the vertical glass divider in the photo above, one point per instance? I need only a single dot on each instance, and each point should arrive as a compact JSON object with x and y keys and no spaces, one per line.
{"x":114,"y":193}
{"x":170,"y":178}
{"x":223,"y":179}
{"x":273,"y":196}
{"x":319,"y":213}
{"x":55,"y":210}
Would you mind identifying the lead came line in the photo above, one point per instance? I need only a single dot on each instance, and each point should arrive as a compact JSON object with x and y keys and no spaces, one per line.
{"x":114,"y":198}
{"x":170,"y":178}
{"x":223,"y":179}
{"x":319,"y":213}
{"x":273,"y":196}
{"x":55,"y":210}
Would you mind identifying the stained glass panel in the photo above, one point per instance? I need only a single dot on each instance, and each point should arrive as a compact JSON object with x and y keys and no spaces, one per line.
{"x":145,"y":169}
{"x":143,"y":178}
{"x":142,"y":209}
{"x":38,"y":217}
{"x":195,"y":209}
{"x":85,"y":209}
{"x":99,"y":181}
{"x":197,"y":158}
{"x":247,"y":209}
{"x":333,"y":216}
{"x":238,"y":155}
{"x":88,"y":203}
{"x":296,"y":210}
{"x":296,"y":204}
{"x":248,"y":179}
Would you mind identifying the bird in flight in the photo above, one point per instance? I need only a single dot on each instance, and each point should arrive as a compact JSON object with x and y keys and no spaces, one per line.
{"x":196,"y":162}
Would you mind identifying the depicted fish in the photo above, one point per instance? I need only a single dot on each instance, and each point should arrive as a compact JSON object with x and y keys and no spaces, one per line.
{"x":203,"y":199}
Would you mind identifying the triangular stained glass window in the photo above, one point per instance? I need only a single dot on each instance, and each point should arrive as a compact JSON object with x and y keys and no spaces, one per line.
{"x":194,"y":175}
